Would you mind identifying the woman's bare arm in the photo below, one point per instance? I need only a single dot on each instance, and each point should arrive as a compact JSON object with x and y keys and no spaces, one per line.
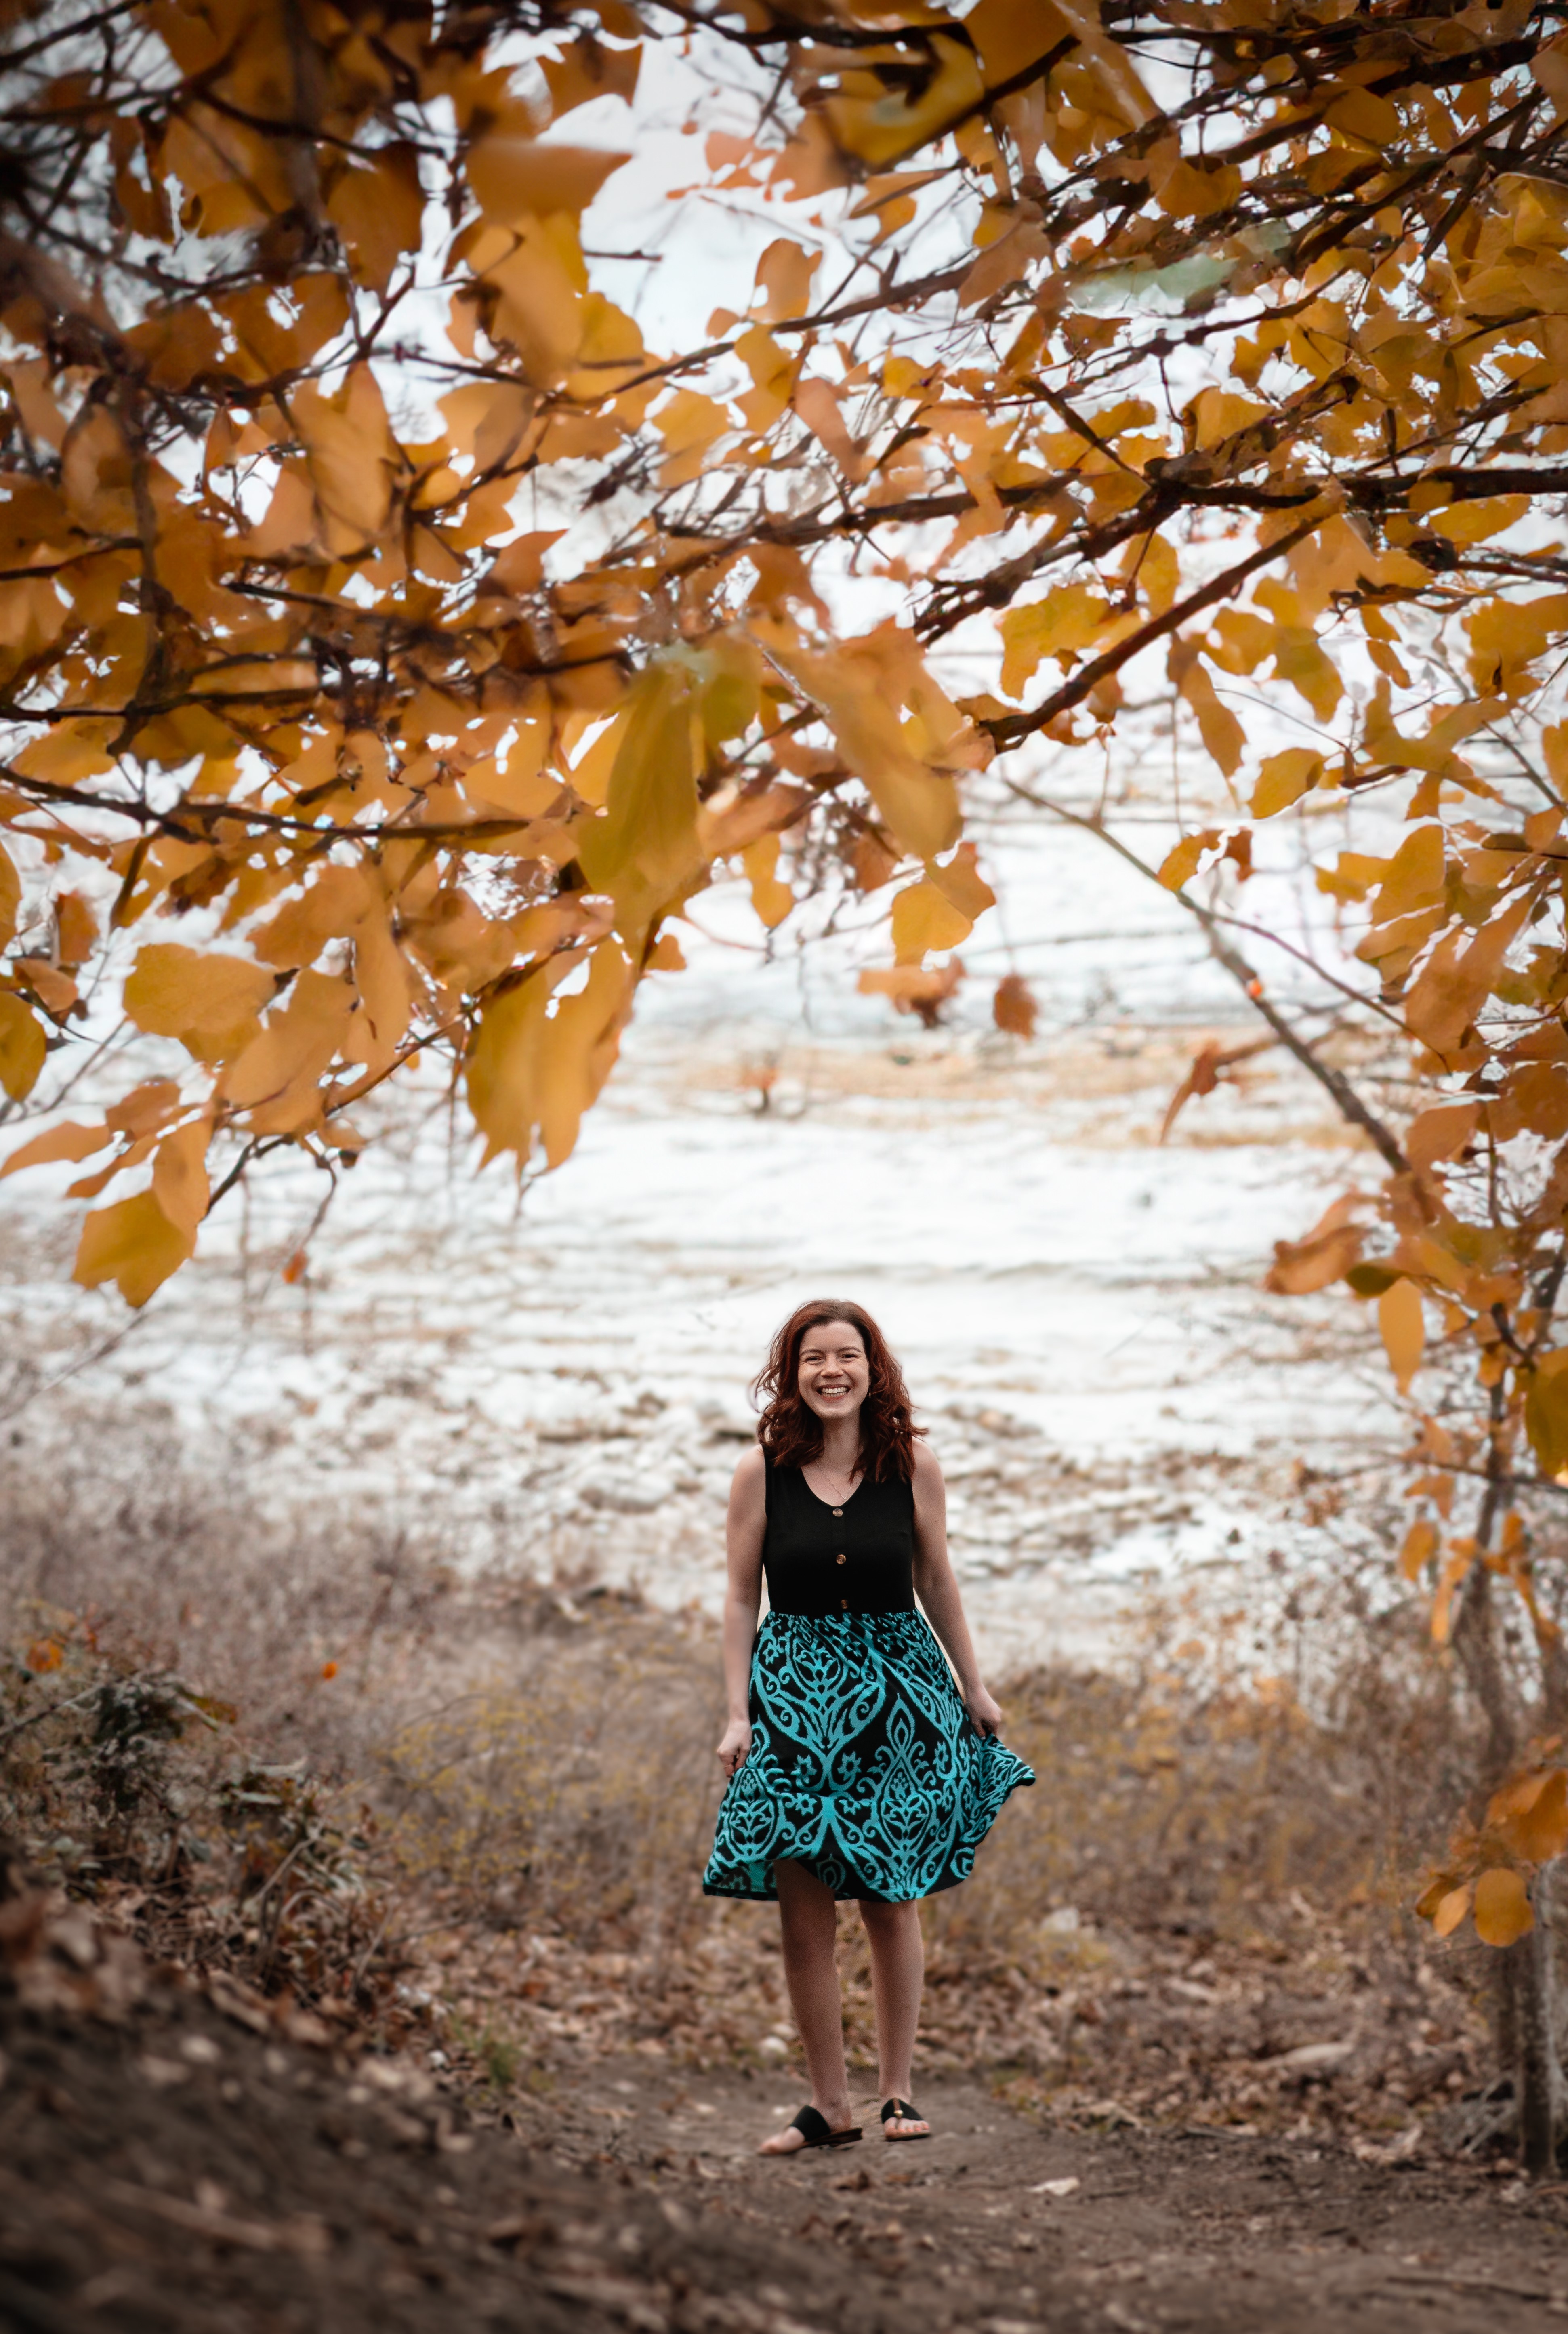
{"x":937,"y":1586}
{"x":744,"y":1530}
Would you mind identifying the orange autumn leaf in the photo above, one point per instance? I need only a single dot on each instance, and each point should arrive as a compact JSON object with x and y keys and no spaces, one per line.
{"x":1503,"y":1912}
{"x":132,"y":1243}
{"x":1013,"y":1006}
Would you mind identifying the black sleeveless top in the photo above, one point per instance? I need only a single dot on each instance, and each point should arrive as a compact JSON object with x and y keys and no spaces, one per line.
{"x":822,"y":1560}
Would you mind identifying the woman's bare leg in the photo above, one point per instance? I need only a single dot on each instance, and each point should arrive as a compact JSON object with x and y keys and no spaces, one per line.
{"x":810,"y":1921}
{"x":898,"y":1975}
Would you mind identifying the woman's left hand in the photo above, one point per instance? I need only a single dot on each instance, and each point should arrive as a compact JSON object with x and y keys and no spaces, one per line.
{"x":985,"y":1713}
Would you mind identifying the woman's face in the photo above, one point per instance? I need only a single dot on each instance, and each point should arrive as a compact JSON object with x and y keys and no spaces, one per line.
{"x":833,"y":1373}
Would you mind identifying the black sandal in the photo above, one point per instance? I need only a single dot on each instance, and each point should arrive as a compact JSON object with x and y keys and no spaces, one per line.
{"x":901,"y":2111}
{"x":817,"y":2132}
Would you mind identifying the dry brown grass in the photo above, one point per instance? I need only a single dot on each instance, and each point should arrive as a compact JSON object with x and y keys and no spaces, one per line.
{"x":499,"y":1806}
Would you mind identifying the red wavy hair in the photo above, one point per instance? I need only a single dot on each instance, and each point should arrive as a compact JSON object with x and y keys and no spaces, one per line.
{"x":791,"y":1434}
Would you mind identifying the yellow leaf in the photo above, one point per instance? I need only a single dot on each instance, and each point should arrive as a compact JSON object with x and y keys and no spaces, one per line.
{"x":880,"y":125}
{"x":1404,"y":1330}
{"x":1433,"y":1893}
{"x":533,"y":1073}
{"x":912,"y":988}
{"x":1066,"y":621}
{"x":134,"y":1245}
{"x":10,"y":897}
{"x":1327,"y":1253}
{"x":1454,"y":983}
{"x":645,"y":850}
{"x":1300,"y":659}
{"x":181,"y":992}
{"x":385,"y":984}
{"x":352,"y":457}
{"x":75,"y":927}
{"x":1450,"y":1909}
{"x":1453,"y":1573}
{"x":1189,"y":192}
{"x":68,"y":1142}
{"x":1421,"y":1546}
{"x":1415,"y":876}
{"x":1548,"y":68}
{"x":331,"y":908}
{"x":542,"y":281}
{"x":568,"y":919}
{"x":23,"y":1048}
{"x":961,"y":881}
{"x":502,"y":1071}
{"x":817,"y":404}
{"x":179,"y":1176}
{"x":463,"y":949}
{"x":1503,"y":1912}
{"x":1284,"y":778}
{"x":731,"y":819}
{"x":1365,"y":115}
{"x":783,"y":281}
{"x":277,"y":1076}
{"x":861,"y":686}
{"x":145,"y":1108}
{"x":378,"y":212}
{"x":1547,"y":1411}
{"x":581,"y":1040}
{"x":1475,"y":522}
{"x":689,"y":423}
{"x":772,"y":372}
{"x":524,"y":789}
{"x":1532,"y":1816}
{"x":1179,"y":864}
{"x":1014,"y":1008}
{"x":56,"y":990}
{"x":587,"y":69}
{"x":772,"y":900}
{"x":68,"y":752}
{"x":924,"y":919}
{"x":1220,"y":413}
{"x":1223,"y":735}
{"x":513,"y":177}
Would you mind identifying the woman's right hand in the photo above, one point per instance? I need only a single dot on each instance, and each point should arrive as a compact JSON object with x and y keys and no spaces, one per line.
{"x":735,"y":1744}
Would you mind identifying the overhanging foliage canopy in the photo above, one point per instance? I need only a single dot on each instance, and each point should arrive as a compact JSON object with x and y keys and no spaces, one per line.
{"x":393,"y":641}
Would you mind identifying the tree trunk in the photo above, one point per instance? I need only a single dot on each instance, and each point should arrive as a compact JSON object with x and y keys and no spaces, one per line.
{"x":1540,"y":2077}
{"x":1526,"y":1974}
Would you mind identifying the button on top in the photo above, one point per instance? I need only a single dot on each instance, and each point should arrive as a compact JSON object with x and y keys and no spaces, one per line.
{"x":838,"y":1512}
{"x":839,"y":1559}
{"x":844,"y":1604}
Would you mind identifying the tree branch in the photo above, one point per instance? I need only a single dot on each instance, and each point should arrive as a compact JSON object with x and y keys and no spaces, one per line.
{"x":1346,"y":1100}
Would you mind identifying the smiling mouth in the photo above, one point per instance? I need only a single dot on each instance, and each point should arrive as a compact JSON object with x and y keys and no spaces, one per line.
{"x":831,"y":1390}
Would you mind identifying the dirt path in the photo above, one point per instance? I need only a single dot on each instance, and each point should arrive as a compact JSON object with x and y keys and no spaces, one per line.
{"x":1192,"y":2230}
{"x":180,"y":2173}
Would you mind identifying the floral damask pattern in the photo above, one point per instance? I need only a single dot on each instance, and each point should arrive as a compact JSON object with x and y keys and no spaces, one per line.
{"x":864,"y":1765}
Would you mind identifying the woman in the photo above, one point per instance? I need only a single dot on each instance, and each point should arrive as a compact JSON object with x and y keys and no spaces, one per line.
{"x":857,"y":1768}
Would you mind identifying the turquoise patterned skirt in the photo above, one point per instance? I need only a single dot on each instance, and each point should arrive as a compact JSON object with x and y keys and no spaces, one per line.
{"x":864,"y":1765}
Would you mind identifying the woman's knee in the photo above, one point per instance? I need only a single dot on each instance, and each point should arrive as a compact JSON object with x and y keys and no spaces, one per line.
{"x":806,"y":1908}
{"x":888,"y":1920}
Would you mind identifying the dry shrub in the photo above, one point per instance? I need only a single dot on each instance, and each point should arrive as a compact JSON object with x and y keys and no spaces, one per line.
{"x":191,"y":1687}
{"x":571,"y":1791}
{"x":496,"y":1812}
{"x":224,"y":1575}
{"x":1168,"y":1804}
